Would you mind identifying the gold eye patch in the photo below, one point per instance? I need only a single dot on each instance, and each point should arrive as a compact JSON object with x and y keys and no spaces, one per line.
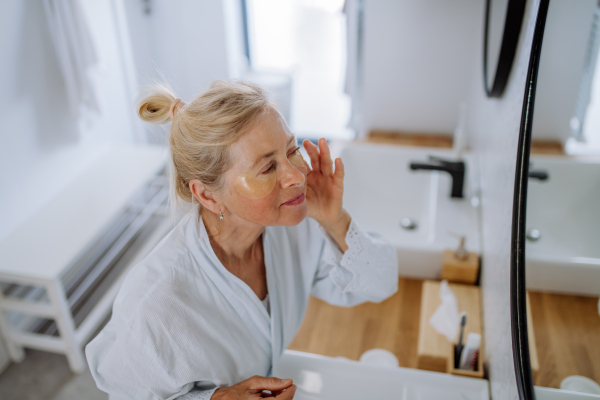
{"x":257,"y":187}
{"x":297,"y":160}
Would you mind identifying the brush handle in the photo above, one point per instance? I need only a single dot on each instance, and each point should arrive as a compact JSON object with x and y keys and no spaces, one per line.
{"x":457,"y":353}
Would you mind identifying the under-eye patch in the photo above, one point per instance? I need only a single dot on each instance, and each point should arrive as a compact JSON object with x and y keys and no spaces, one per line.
{"x":255,"y":187}
{"x":297,"y":160}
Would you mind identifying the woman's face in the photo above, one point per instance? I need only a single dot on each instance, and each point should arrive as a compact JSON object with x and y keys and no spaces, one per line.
{"x":266,"y":174}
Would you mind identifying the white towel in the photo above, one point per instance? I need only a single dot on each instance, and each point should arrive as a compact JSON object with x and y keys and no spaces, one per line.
{"x":75,"y":51}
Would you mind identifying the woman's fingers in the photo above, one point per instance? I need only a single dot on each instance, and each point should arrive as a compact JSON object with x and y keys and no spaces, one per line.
{"x":288,"y":394}
{"x":274,"y":393}
{"x":326,"y":163}
{"x":338,"y":176}
{"x":280,"y":394}
{"x":320,"y":157}
{"x":313,"y":153}
{"x":267,"y":383}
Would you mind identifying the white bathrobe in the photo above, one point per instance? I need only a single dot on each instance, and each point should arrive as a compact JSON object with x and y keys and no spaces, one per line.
{"x":181,"y":319}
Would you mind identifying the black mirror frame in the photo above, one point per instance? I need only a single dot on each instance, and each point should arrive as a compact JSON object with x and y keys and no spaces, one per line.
{"x":510,"y":38}
{"x":518,"y":305}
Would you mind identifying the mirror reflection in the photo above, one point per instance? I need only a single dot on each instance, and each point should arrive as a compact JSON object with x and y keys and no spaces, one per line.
{"x":503,"y":20}
{"x":563,"y":213}
{"x":495,"y":27}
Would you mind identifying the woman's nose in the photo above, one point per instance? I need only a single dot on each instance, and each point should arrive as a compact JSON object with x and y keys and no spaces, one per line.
{"x":293,"y":176}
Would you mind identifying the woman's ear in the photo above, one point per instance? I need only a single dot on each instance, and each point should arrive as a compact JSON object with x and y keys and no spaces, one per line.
{"x":204,"y":197}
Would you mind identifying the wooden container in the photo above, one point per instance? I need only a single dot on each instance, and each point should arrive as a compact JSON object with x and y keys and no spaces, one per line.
{"x":434,"y":351}
{"x":460,"y":271}
{"x":478,"y":373}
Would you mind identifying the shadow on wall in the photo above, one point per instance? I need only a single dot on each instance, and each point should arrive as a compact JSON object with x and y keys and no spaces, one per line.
{"x":39,"y":81}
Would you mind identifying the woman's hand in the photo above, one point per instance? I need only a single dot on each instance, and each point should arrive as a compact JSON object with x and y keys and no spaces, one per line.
{"x":325,"y":189}
{"x":253,"y":388}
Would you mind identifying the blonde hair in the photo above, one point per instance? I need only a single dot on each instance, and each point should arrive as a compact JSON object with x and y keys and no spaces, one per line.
{"x":202,"y":131}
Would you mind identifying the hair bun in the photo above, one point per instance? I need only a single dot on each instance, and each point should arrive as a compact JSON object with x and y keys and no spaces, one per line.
{"x":155,"y":104}
{"x":174,"y":104}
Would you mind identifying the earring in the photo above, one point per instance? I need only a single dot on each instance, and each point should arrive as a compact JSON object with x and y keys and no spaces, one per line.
{"x":221,"y":217}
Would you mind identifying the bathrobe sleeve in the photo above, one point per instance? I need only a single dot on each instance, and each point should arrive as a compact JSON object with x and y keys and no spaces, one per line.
{"x":366,"y":271}
{"x":151,"y":349}
{"x":133,"y":367}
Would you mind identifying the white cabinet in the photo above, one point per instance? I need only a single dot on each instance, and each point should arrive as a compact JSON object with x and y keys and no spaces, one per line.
{"x":61,"y":270}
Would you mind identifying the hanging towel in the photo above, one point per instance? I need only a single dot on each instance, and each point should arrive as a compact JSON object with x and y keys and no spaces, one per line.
{"x":75,"y":51}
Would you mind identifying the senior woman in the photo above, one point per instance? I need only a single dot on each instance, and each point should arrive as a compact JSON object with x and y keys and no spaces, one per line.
{"x":208,"y":313}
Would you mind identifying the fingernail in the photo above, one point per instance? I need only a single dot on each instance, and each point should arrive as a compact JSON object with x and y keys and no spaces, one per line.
{"x":285,"y":380}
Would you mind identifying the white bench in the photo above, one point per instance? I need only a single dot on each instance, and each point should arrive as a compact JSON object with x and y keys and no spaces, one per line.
{"x":67,"y":261}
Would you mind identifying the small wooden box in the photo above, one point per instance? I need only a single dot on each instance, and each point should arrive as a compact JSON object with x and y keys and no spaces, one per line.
{"x":434,"y":351}
{"x":478,"y":373}
{"x":460,"y":271}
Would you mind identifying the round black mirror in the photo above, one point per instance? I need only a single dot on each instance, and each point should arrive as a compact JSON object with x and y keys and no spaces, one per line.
{"x":518,"y":302}
{"x":556,"y":219}
{"x":503,"y":20}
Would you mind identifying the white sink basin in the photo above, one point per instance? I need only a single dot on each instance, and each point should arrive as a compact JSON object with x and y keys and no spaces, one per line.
{"x":564,"y":209}
{"x":327,"y":378}
{"x":380,"y":190}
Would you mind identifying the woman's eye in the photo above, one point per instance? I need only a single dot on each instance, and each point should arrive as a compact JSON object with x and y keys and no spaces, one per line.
{"x":269,"y":169}
{"x":296,"y":150}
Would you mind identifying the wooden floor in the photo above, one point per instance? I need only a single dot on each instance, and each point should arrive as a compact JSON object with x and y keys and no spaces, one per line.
{"x":567,"y":332}
{"x":392,"y":325}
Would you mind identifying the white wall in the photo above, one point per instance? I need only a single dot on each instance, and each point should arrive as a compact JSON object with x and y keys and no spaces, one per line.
{"x":493,"y":125}
{"x":185,"y":43}
{"x":36,"y":129}
{"x":419,"y":61}
{"x":42,"y":146}
{"x":561,"y":66}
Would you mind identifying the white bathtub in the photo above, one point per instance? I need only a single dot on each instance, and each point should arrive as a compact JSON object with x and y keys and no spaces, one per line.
{"x":380,"y":190}
{"x":566,"y":210}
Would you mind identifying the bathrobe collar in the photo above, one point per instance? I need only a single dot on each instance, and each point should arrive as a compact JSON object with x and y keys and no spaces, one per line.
{"x":241,"y":297}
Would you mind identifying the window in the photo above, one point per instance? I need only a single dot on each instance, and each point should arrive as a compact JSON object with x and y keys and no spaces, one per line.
{"x":304,"y":40}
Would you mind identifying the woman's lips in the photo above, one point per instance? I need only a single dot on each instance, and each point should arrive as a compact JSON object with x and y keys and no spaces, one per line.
{"x":295,"y":201}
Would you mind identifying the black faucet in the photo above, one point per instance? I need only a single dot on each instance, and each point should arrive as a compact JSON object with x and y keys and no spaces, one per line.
{"x":537,"y":174}
{"x":456,"y":169}
{"x":541,"y":175}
